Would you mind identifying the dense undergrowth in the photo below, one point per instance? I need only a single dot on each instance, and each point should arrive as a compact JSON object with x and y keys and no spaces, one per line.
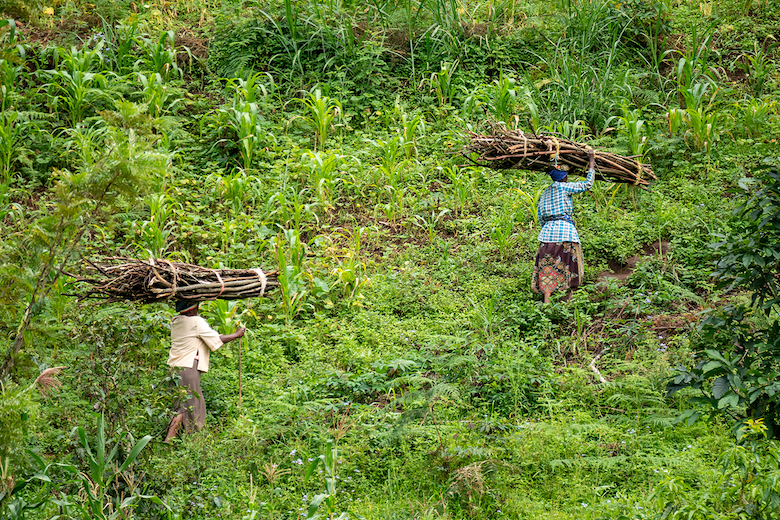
{"x":404,"y":369}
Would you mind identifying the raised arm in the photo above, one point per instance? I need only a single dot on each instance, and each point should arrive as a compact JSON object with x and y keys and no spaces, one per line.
{"x":578,"y":187}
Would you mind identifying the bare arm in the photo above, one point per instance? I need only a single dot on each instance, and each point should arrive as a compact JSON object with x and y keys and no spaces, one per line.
{"x":226,"y":338}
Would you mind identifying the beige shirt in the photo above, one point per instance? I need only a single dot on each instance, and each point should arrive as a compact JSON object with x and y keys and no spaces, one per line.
{"x":191,"y":335}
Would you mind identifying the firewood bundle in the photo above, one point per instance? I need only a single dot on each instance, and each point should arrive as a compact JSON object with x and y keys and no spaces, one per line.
{"x":155,"y":280}
{"x":504,"y":149}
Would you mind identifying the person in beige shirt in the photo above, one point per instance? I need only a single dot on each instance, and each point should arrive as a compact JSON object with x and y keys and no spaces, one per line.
{"x":192,"y":342}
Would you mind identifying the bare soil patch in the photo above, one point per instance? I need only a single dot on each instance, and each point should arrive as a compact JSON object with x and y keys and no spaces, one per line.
{"x":620,"y":272}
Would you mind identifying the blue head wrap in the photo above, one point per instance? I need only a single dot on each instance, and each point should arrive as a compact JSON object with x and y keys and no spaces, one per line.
{"x":558,"y":175}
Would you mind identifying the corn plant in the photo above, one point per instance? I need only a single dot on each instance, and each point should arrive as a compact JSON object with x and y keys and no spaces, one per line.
{"x":228,"y":318}
{"x":758,"y":67}
{"x":501,"y":99}
{"x":250,"y":89}
{"x":10,"y":134}
{"x":502,"y":233}
{"x":486,"y":317}
{"x":409,"y":127}
{"x":691,"y":65}
{"x":155,"y":233}
{"x":289,"y":210}
{"x":234,"y":188}
{"x":322,"y":112}
{"x":7,"y":38}
{"x":530,"y":199}
{"x":428,"y":223}
{"x":756,"y":114}
{"x":120,"y":43}
{"x":323,"y":176}
{"x":461,"y":185}
{"x":11,"y":73}
{"x":96,"y":498}
{"x":442,"y":84}
{"x":532,"y":107}
{"x":348,"y":268}
{"x":328,"y":501}
{"x":631,"y":127}
{"x":225,"y":314}
{"x":391,"y":159}
{"x":702,"y":128}
{"x":697,"y":95}
{"x":161,"y":56}
{"x":156,"y":94}
{"x":290,"y":253}
{"x":245,"y":120}
{"x":675,"y":119}
{"x":74,"y":84}
{"x":573,"y":130}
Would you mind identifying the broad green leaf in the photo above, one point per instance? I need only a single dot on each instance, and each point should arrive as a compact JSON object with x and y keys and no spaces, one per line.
{"x":128,"y":501}
{"x":310,"y":469}
{"x":134,"y":453}
{"x":720,"y":387}
{"x":315,"y":503}
{"x":156,"y":500}
{"x":710,"y":366}
{"x":714,"y":354}
{"x":731,"y":400}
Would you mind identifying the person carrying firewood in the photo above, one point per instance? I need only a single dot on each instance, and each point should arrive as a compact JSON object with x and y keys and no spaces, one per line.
{"x":558,"y":263}
{"x":192,"y":341}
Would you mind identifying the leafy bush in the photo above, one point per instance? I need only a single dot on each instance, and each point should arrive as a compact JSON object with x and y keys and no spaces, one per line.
{"x":739,"y":376}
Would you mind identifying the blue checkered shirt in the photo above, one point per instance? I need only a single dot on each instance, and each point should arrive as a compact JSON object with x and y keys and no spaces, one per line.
{"x":556,"y":202}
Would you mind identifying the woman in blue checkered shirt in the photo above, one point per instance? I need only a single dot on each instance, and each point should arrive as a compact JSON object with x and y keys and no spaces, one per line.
{"x":559,"y":259}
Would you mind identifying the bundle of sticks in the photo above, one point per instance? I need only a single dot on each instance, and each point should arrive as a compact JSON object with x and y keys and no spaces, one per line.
{"x":155,"y":280}
{"x":504,"y":149}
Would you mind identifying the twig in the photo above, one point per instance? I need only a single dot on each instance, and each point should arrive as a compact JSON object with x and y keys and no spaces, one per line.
{"x":593,"y":365}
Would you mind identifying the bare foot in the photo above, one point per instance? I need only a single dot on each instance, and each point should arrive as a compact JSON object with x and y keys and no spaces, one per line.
{"x":173,"y":429}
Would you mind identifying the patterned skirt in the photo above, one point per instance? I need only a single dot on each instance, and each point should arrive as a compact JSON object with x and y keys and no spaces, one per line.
{"x":558,"y":267}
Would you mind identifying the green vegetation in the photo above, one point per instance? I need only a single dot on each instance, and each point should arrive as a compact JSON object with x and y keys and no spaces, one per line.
{"x":403,"y":369}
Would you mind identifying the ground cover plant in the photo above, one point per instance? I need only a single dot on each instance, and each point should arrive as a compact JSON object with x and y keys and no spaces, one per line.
{"x":401,"y":368}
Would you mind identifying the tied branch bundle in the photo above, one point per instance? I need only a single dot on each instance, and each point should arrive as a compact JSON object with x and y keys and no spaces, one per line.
{"x":159,"y":280}
{"x":514,"y":149}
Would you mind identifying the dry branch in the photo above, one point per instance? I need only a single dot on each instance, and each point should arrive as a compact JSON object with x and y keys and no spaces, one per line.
{"x":504,"y":149}
{"x":155,"y":280}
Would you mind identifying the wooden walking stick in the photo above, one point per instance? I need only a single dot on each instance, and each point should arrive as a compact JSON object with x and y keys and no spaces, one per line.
{"x":240,"y":340}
